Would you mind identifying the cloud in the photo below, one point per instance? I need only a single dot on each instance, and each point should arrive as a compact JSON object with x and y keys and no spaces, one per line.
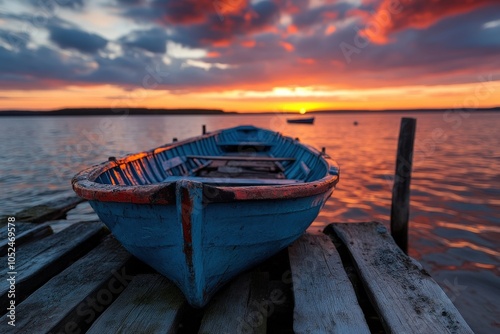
{"x":39,"y":68}
{"x":292,"y":6}
{"x":324,"y":14}
{"x":152,"y":40}
{"x":72,"y":38}
{"x":173,"y":12}
{"x":130,"y":2}
{"x":196,"y":11}
{"x":14,"y":39}
{"x":247,"y":46}
{"x":52,"y":5}
{"x":262,"y":16}
{"x":200,"y":23}
{"x":394,"y":16}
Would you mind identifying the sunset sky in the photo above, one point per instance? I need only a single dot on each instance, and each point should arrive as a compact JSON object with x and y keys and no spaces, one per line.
{"x":264,"y":55}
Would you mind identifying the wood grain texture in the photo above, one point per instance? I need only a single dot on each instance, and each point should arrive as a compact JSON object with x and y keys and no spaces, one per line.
{"x":150,"y":304}
{"x":37,"y":232}
{"x":237,"y":309}
{"x":51,"y":210}
{"x":400,"y":208}
{"x":233,"y":180}
{"x":407,"y":299}
{"x":71,"y":301}
{"x":21,"y":227}
{"x":243,"y":144}
{"x":325,"y":301}
{"x":38,"y":261}
{"x":240,"y":158}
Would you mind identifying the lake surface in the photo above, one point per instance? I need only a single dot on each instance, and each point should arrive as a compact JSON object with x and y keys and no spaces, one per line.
{"x":455,"y":199}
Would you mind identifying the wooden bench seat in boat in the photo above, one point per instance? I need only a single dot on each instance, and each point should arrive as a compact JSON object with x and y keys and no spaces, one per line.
{"x":233,"y":181}
{"x":180,"y":161}
{"x":243,"y":143}
{"x":240,"y":158}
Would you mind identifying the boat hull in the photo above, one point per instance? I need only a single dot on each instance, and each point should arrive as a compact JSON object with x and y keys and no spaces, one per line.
{"x":202,"y":210}
{"x":202,"y":246}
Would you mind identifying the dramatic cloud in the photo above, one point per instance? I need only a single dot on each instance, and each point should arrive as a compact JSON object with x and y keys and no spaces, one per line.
{"x":152,"y":40}
{"x":324,"y":14}
{"x":53,"y":4}
{"x":207,"y":46}
{"x":196,"y":11}
{"x":130,"y":2}
{"x":221,"y":32}
{"x":42,"y":68}
{"x":292,"y":6}
{"x":393,"y":16}
{"x":71,"y":38}
{"x":14,"y":39}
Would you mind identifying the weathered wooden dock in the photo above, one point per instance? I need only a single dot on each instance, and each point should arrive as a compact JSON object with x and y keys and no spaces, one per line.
{"x":351,"y":279}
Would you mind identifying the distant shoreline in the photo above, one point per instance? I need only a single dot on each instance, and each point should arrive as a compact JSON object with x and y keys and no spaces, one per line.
{"x":194,"y":111}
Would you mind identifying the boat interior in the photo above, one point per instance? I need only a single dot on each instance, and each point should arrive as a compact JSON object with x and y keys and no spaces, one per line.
{"x":239,"y":156}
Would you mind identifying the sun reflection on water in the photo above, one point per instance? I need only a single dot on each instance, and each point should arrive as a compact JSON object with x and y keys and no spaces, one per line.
{"x":454,"y":222}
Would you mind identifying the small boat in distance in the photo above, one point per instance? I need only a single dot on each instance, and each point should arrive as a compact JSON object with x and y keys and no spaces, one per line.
{"x":309,"y":120}
{"x":202,"y":210}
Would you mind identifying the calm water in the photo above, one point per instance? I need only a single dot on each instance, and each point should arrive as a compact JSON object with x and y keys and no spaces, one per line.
{"x":455,"y":216}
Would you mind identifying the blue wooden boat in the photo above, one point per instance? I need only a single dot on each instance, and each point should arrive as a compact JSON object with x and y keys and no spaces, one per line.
{"x":308,"y":120}
{"x":203,"y":210}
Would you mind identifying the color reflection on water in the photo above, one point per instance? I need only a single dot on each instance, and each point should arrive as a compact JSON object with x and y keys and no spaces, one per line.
{"x":455,"y":200}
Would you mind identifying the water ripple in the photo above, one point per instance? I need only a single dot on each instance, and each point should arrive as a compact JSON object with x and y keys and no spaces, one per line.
{"x":455,"y":221}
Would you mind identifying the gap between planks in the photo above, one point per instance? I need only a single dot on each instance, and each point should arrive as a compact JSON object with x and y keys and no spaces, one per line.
{"x":325,"y":301}
{"x":404,"y":295}
{"x":72,"y":299}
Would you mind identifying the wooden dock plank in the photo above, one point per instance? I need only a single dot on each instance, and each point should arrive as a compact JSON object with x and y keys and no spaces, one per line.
{"x":55,"y":209}
{"x":38,"y":261}
{"x":325,"y":301}
{"x":70,"y":301}
{"x":237,"y":309}
{"x":150,"y":304}
{"x":407,"y":299}
{"x":37,"y":232}
{"x":20,"y":228}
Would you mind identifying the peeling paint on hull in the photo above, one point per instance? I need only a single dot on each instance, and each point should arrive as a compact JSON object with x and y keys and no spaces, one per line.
{"x":202,"y":235}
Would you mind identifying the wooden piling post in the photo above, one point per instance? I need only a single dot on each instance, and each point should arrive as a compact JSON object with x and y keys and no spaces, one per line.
{"x":400,"y":209}
{"x":204,"y":129}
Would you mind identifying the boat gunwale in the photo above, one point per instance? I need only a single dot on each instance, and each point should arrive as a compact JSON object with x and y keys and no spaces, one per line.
{"x":164,"y":193}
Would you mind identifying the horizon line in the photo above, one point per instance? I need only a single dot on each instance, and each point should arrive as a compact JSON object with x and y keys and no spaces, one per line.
{"x":96,"y":111}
